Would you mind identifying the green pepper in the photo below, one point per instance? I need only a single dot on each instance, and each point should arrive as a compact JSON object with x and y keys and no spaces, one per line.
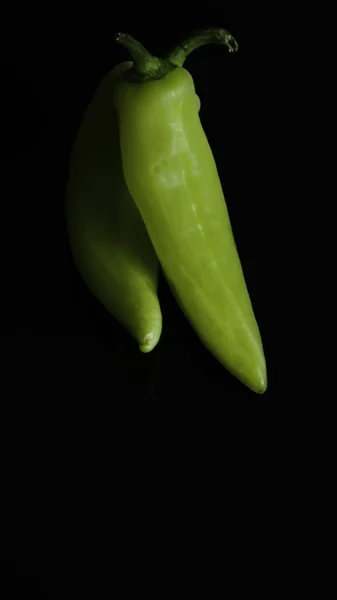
{"x":171,"y":174}
{"x":108,"y":239}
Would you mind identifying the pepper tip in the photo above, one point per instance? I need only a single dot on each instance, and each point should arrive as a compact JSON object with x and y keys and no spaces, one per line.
{"x":148,"y":343}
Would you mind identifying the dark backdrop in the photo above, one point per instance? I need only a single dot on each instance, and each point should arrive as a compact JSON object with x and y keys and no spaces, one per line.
{"x":81,"y":404}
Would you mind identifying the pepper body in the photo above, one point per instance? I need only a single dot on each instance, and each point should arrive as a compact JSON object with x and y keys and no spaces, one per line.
{"x":171,"y":173}
{"x":108,"y":239}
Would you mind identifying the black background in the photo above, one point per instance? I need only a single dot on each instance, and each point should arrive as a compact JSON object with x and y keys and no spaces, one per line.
{"x":81,"y":403}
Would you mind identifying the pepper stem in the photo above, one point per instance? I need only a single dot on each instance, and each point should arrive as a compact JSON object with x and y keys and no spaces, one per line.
{"x":146,"y":67}
{"x":200,"y":38}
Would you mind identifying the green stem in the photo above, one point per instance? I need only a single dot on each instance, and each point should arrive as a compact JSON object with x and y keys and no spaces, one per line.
{"x":146,"y":67}
{"x":200,"y":38}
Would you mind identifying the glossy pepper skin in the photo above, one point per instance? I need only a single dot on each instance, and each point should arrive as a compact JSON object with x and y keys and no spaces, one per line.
{"x":108,"y":239}
{"x":171,"y":173}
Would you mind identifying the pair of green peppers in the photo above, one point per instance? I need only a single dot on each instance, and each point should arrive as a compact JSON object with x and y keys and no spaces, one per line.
{"x":143,"y":189}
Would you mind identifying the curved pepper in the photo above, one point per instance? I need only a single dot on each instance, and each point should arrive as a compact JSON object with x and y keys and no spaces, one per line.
{"x":171,"y":173}
{"x":108,"y":239}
